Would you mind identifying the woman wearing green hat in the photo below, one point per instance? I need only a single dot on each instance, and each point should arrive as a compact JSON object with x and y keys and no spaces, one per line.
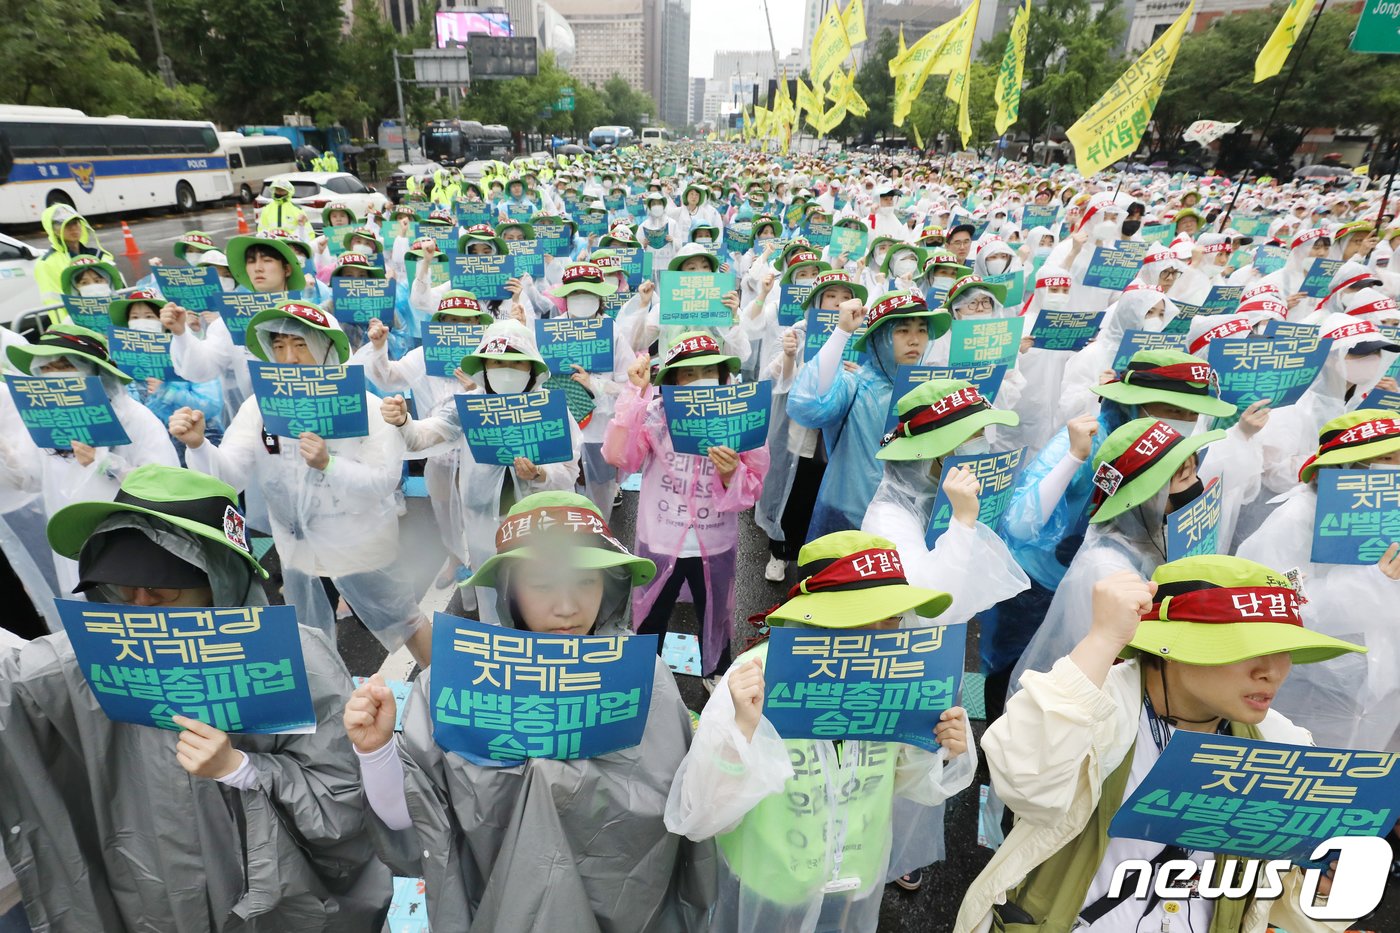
{"x":1083,"y":735}
{"x":506,"y":362}
{"x":850,"y":408}
{"x":330,"y":503}
{"x":780,"y":809}
{"x":639,"y":320}
{"x":129,"y":827}
{"x":525,"y":302}
{"x":1354,"y":703}
{"x":696,"y":210}
{"x":551,"y":844}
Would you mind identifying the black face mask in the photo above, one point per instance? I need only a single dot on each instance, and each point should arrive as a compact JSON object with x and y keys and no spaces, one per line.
{"x":1131,"y":226}
{"x":1188,"y":495}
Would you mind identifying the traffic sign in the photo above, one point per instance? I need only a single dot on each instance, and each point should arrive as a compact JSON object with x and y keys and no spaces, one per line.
{"x":1378,"y":31}
{"x":565,"y":102}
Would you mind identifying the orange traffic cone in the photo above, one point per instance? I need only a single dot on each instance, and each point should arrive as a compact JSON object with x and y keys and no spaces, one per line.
{"x":131,"y":248}
{"x":242,"y":224}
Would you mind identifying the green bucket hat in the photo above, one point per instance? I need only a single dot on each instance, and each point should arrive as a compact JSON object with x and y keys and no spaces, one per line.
{"x":238,"y":267}
{"x":892,"y":305}
{"x":1188,"y":212}
{"x":506,"y":339}
{"x":902,"y":247}
{"x":439,"y":218}
{"x":306,"y":313}
{"x":1136,"y":461}
{"x":695,"y":348}
{"x":1171,"y":377}
{"x":120,"y":310}
{"x":1346,"y":439}
{"x":550,"y":524}
{"x":711,"y":229}
{"x":875,"y":242}
{"x":481,"y":233}
{"x":936,"y":416}
{"x":760,"y":220}
{"x":704,"y":193}
{"x":689,"y":250}
{"x":585,"y":277}
{"x":187,"y":499}
{"x":340,"y":206}
{"x":968,"y":282}
{"x":65,"y":340}
{"x":570,"y":228}
{"x":828,"y":279}
{"x":362,"y":233}
{"x":936,"y":259}
{"x":194,"y":241}
{"x":618,"y":235}
{"x":459,"y":303}
{"x":527,"y":230}
{"x":803,"y":259}
{"x":358,"y":261}
{"x":1218,"y":609}
{"x":852,"y":579}
{"x":83,"y":263}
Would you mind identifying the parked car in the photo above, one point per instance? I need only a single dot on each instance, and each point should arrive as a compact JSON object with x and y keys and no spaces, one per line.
{"x":312,"y":191}
{"x":397,"y":187}
{"x":19,"y":292}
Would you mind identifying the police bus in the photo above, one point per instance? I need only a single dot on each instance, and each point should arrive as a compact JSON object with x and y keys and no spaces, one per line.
{"x":104,"y":165}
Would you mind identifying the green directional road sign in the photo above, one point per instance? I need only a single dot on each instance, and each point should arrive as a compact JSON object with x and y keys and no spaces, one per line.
{"x":566,"y":100}
{"x":1378,"y":32}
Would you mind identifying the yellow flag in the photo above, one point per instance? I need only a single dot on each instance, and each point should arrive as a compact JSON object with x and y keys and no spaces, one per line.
{"x":956,"y":56}
{"x":843,"y":92}
{"x":1275,"y":51}
{"x":1013,"y":64}
{"x":918,"y":140}
{"x":854,"y":19}
{"x":1113,"y":126}
{"x":830,"y":46}
{"x":911,"y":68}
{"x":809,"y":100}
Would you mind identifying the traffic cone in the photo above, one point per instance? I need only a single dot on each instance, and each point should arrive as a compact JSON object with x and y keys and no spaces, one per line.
{"x":131,"y":248}
{"x":242,"y":224}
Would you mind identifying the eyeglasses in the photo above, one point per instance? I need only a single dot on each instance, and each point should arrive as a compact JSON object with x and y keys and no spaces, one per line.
{"x":980,"y":303}
{"x":157,"y":595}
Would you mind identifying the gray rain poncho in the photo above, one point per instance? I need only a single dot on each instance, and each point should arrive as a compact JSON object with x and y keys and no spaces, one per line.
{"x":106,"y":832}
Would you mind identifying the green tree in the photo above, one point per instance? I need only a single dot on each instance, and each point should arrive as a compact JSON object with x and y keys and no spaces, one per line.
{"x":624,"y":106}
{"x":934,"y":114}
{"x":876,"y":87}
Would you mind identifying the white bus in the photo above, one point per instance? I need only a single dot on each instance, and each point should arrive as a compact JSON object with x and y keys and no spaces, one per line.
{"x":104,"y":165}
{"x":254,"y":159}
{"x":655,"y":136}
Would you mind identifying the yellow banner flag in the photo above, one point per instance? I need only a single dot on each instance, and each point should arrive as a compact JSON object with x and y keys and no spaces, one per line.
{"x":918,"y":139}
{"x":911,"y":68}
{"x":843,"y":92}
{"x":809,"y":100}
{"x":957,"y":58}
{"x":1275,"y":51}
{"x":854,"y":19}
{"x":1113,"y":126}
{"x":830,"y":46}
{"x":1013,"y":65}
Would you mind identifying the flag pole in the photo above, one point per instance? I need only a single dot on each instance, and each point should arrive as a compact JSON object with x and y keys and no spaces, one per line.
{"x":1297,"y":55}
{"x":1390,"y":180}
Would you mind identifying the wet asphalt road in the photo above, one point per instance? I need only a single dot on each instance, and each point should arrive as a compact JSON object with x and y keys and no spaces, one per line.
{"x":930,"y":910}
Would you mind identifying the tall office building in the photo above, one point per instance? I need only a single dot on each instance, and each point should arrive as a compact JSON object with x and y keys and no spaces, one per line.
{"x":645,"y":42}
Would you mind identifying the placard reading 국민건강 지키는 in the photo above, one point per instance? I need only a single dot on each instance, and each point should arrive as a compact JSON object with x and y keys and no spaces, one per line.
{"x":89,"y":312}
{"x":1135,"y":340}
{"x":446,"y":342}
{"x":820,"y":324}
{"x":141,"y":354}
{"x":1194,"y":529}
{"x":1357,"y":515}
{"x":790,"y":298}
{"x":1265,"y":800}
{"x":1318,"y":281}
{"x":501,"y":695}
{"x":238,"y":669}
{"x":328,"y":401}
{"x":889,"y":686}
{"x":1065,"y":330}
{"x":58,"y":410}
{"x":533,"y":425}
{"x":997,"y":474}
{"x":1279,"y":370}
{"x":238,"y":308}
{"x":566,"y":342}
{"x":190,"y":287}
{"x":1112,"y":269}
{"x":483,"y":276}
{"x":733,"y":416}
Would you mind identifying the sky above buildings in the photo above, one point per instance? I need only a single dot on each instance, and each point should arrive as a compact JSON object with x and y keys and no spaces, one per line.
{"x":739,"y":25}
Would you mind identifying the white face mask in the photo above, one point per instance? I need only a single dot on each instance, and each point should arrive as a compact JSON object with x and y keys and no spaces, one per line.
{"x":880,"y":255}
{"x":508,"y":381}
{"x":149,"y":325}
{"x":974,"y":447}
{"x":941,"y":283}
{"x":1055,"y":301}
{"x":192,"y":259}
{"x":804,"y":280}
{"x":1184,"y":428}
{"x":904,"y":265}
{"x":705,"y":383}
{"x":1043,"y":250}
{"x":1154,"y":325}
{"x":227,"y":283}
{"x":657,"y":210}
{"x":996,"y":265}
{"x":582,"y":304}
{"x":1363,"y":370}
{"x":1382,"y":466}
{"x":95,"y":290}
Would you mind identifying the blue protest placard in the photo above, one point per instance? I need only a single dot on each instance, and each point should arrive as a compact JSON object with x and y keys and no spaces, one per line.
{"x":792,"y":216}
{"x":141,"y":354}
{"x":238,"y":669}
{"x":328,"y":401}
{"x":696,"y":299}
{"x":701,"y":417}
{"x":997,"y":474}
{"x":358,"y":301}
{"x":615,"y":202}
{"x":1357,"y":516}
{"x":192,"y":287}
{"x":818,"y":232}
{"x":873,"y":686}
{"x":446,"y":342}
{"x":981,"y":343}
{"x":655,"y":239}
{"x":1278,"y":369}
{"x":1065,"y":330}
{"x":57,"y":410}
{"x":1222,"y":299}
{"x":1015,"y":283}
{"x":89,"y":312}
{"x":533,"y":425}
{"x":444,"y":236}
{"x":566,"y":342}
{"x":238,"y":308}
{"x":1112,"y":268}
{"x":1161,"y":234}
{"x":738,"y":237}
{"x":1039,"y":215}
{"x":636,"y":264}
{"x":1186,"y":312}
{"x":790,"y":298}
{"x":1135,"y":340}
{"x":503,"y":695}
{"x":391,"y":230}
{"x":483,"y":276}
{"x":1386,"y":401}
{"x":1277,"y":328}
{"x":474,"y":213}
{"x":528,"y":258}
{"x":850,"y":241}
{"x":1318,"y":281}
{"x":1250,"y":226}
{"x":987,"y":379}
{"x":335,"y":242}
{"x":820,"y":324}
{"x":592,"y":223}
{"x":554,"y":239}
{"x":1233,"y":796}
{"x":1269,"y":259}
{"x":1194,"y":529}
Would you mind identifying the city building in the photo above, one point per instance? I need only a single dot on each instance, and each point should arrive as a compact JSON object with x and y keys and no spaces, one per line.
{"x":915,"y":16}
{"x":645,"y":42}
{"x":525,"y":17}
{"x":697,"y":100}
